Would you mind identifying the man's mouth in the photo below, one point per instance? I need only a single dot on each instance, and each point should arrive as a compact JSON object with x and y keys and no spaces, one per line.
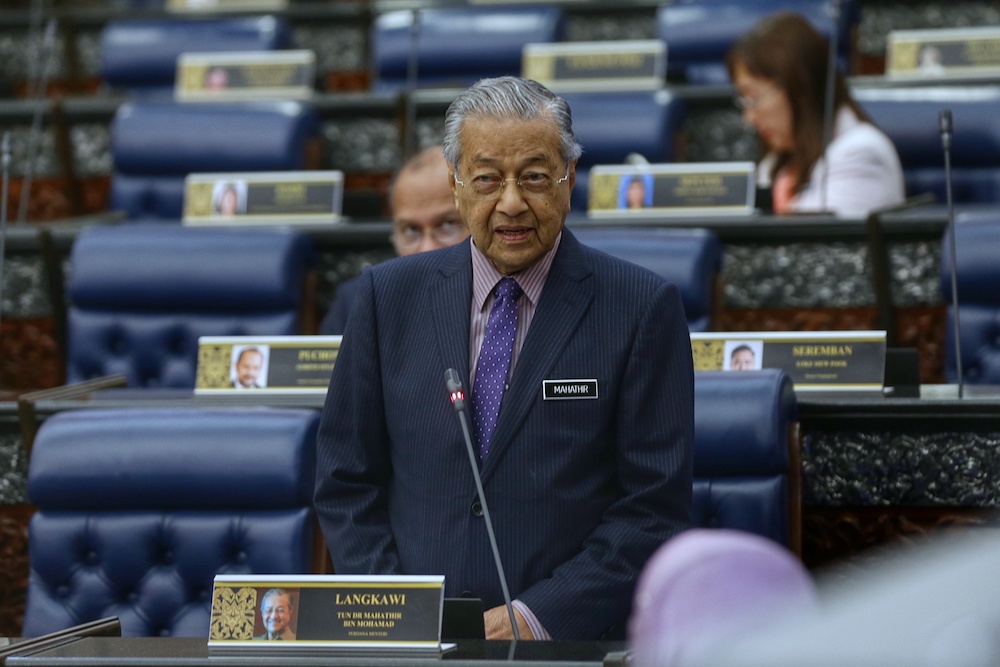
{"x":513,"y":234}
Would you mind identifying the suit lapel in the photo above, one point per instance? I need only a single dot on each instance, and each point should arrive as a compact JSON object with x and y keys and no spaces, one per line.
{"x":450,"y":296}
{"x":567,"y":296}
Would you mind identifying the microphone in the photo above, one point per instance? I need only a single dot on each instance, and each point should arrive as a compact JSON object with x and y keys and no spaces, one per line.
{"x":457,"y":394}
{"x":829,"y":112}
{"x":31,"y":155}
{"x":944,"y":123}
{"x":4,"y":203}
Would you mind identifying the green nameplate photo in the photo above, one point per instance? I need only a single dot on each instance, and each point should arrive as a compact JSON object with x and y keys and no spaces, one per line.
{"x":265,"y":364}
{"x":815,"y":360}
{"x":596,"y":66}
{"x":656,"y":190}
{"x":327,"y":615}
{"x":943,"y":53}
{"x":257,"y":75}
{"x":248,"y":198}
{"x":226,"y":5}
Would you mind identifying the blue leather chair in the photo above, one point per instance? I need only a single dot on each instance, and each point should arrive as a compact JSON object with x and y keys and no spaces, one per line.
{"x":141,"y":295}
{"x":747,"y":472}
{"x":457,"y":46}
{"x":139,"y":509}
{"x":155,"y":145}
{"x":140,"y":56}
{"x":688,"y":258}
{"x":977,"y":245}
{"x":910,"y":117}
{"x":610,"y":126}
{"x":699,"y":33}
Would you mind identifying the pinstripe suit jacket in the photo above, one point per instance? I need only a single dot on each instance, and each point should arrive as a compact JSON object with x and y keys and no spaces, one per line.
{"x":581,"y":492}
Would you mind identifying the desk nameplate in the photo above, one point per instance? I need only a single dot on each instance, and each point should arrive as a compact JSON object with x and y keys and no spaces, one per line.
{"x":265,"y":364}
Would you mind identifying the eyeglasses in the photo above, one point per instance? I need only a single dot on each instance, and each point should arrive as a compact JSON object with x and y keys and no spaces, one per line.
{"x":410,"y":236}
{"x":535,"y":184}
{"x":747,"y":102}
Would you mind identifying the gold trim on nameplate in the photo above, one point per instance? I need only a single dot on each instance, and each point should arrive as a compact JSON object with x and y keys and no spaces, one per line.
{"x":827,"y":360}
{"x":194,"y":6}
{"x":249,"y":198}
{"x":245,"y":75}
{"x":596,"y":66}
{"x":943,"y":53}
{"x":656,"y":190}
{"x":265,"y":364}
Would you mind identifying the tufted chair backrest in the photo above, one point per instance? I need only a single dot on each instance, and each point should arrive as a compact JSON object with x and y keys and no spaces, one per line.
{"x":747,"y":472}
{"x":691,"y":259}
{"x":141,"y":295}
{"x":139,"y":509}
{"x":977,"y":245}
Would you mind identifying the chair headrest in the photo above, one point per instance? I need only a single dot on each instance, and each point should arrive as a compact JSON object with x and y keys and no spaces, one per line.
{"x":739,"y":416}
{"x":165,"y":138}
{"x":977,"y":244}
{"x":144,"y":52}
{"x":174,"y":458}
{"x":153,"y":267}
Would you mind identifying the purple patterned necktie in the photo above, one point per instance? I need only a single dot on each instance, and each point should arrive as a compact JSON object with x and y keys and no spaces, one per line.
{"x":494,"y":362}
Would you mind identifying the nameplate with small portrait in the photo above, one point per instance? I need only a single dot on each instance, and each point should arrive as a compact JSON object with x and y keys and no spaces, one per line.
{"x":265,"y":364}
{"x":194,"y":6}
{"x":596,"y":66}
{"x":336,"y":615}
{"x":657,"y":190}
{"x":271,"y":198}
{"x":957,"y":53}
{"x":252,"y":75}
{"x":814,"y":360}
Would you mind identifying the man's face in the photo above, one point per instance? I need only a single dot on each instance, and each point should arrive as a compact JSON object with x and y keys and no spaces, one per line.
{"x":229,"y":202}
{"x":248,"y":368}
{"x":512,"y":227}
{"x":276,"y":610}
{"x":742,"y":360}
{"x":423,"y":211}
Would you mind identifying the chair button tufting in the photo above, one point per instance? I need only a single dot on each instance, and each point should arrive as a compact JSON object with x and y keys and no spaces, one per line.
{"x":241,"y":557}
{"x":92,"y":558}
{"x":62,"y":591}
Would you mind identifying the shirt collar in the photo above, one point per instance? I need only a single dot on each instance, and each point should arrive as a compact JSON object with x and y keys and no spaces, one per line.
{"x":531,"y":280}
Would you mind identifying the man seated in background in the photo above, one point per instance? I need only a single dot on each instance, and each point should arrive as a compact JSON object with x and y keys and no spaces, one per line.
{"x":424,"y":218}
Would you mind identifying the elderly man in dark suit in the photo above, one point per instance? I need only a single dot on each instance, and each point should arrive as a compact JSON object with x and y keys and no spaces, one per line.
{"x":581,"y":393}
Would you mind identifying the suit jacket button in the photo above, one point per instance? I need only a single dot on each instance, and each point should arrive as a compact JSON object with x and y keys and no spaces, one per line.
{"x":467,"y":594}
{"x":477,"y":509}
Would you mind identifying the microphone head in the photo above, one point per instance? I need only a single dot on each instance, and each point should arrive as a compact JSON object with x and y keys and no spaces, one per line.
{"x":944,"y":121}
{"x":455,"y":390}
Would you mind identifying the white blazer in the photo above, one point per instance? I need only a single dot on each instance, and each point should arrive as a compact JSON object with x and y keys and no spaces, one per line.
{"x":864,"y":171}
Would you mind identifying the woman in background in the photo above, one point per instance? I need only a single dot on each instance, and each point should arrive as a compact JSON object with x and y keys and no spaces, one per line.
{"x":779,"y":69}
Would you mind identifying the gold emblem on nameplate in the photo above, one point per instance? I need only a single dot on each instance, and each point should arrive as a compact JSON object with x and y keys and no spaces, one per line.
{"x":233,"y":611}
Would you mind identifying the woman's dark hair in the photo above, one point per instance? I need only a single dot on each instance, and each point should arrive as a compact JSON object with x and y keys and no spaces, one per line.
{"x":785,"y":48}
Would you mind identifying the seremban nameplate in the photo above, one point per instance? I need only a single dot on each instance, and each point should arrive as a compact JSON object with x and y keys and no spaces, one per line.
{"x":815,"y":360}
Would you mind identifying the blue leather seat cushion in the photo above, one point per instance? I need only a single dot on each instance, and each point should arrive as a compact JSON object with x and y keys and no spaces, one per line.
{"x":757,"y":505}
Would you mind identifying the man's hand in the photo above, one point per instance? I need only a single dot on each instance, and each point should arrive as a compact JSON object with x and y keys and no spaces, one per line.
{"x":498,"y":624}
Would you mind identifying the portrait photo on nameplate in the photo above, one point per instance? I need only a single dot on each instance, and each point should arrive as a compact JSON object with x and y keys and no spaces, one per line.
{"x":249,"y":198}
{"x":658,"y":190}
{"x":244,"y":75}
{"x":814,"y":360}
{"x":360,"y":615}
{"x":943,"y":53}
{"x":596,"y":66}
{"x":265,"y":364}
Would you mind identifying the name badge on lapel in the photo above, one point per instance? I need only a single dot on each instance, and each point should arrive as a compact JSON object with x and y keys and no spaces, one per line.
{"x":567,"y":390}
